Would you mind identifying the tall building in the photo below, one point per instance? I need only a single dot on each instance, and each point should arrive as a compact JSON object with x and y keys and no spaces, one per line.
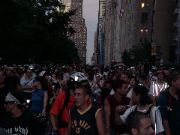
{"x":120,"y":28}
{"x":100,"y":32}
{"x":78,"y":24}
{"x":94,"y":58}
{"x":145,"y":20}
{"x":177,"y":33}
{"x":164,"y":45}
{"x":128,"y":23}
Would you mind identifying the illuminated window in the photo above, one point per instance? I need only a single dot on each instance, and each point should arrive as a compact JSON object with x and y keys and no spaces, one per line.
{"x":142,"y":5}
{"x":141,"y":30}
{"x":146,"y":30}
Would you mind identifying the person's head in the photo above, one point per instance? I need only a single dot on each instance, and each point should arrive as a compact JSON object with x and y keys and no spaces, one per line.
{"x":10,"y":72}
{"x":174,"y":81}
{"x":120,"y":87}
{"x":125,"y":76}
{"x":139,"y":124}
{"x":37,"y":83}
{"x":166,"y":71}
{"x":140,"y":95}
{"x":108,"y":84}
{"x":13,"y":102}
{"x":29,"y":72}
{"x":77,"y":79}
{"x":160,"y":75}
{"x":143,"y":79}
{"x":132,"y":81}
{"x":82,"y":95}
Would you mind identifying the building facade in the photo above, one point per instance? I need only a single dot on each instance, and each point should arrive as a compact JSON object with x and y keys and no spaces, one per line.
{"x":78,"y":24}
{"x":164,"y":30}
{"x":177,"y":33}
{"x":128,"y":23}
{"x":131,"y":23}
{"x":100,"y":33}
{"x":145,"y":20}
{"x":94,"y":60}
{"x":120,"y":28}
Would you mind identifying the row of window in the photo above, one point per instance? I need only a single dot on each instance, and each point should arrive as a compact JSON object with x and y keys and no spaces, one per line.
{"x":143,"y":5}
{"x":144,"y":30}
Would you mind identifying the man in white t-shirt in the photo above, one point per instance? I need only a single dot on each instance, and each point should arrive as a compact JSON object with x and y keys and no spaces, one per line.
{"x":143,"y":105}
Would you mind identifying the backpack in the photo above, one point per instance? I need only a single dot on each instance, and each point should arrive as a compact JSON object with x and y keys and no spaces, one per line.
{"x":148,"y":112}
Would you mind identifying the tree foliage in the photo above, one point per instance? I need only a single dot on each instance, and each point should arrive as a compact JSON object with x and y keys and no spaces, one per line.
{"x":137,"y":54}
{"x":35,"y":29}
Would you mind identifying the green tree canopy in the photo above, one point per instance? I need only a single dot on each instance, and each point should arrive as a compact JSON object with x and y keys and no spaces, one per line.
{"x":137,"y":54}
{"x":35,"y":29}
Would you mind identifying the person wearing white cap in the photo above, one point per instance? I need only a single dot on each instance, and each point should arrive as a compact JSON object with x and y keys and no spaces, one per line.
{"x":19,"y":122}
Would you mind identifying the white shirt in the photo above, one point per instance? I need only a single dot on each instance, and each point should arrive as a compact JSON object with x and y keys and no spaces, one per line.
{"x":155,"y":117}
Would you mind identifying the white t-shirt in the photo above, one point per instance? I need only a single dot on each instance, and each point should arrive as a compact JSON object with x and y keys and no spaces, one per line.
{"x":155,"y":117}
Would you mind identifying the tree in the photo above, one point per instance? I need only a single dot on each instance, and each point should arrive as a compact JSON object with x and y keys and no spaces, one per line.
{"x":35,"y":29}
{"x":138,"y":54}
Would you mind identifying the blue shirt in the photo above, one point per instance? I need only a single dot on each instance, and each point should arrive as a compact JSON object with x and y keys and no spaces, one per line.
{"x":37,"y":101}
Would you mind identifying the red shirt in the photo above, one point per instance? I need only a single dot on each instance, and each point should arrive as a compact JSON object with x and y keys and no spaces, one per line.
{"x":57,"y":106}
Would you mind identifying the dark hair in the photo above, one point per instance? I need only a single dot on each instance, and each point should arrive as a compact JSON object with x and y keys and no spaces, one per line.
{"x":134,"y":120}
{"x":173,"y":77}
{"x":118,"y":84}
{"x":143,"y":76}
{"x":43,"y":81}
{"x":143,"y":92}
{"x":38,"y":79}
{"x":85,"y":88}
{"x":71,"y":84}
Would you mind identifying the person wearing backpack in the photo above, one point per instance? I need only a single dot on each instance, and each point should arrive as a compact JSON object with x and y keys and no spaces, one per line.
{"x":169,"y":104}
{"x":139,"y":124}
{"x":143,"y":105}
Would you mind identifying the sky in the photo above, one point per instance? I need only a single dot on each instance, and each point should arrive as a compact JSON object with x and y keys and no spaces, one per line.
{"x":90,"y":13}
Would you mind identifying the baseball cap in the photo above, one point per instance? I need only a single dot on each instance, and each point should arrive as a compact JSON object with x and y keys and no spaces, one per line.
{"x":13,"y":98}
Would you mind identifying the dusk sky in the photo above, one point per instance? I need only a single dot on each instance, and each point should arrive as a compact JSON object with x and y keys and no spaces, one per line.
{"x":90,"y":14}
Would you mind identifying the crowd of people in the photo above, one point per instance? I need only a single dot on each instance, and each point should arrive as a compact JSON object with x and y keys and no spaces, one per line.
{"x":76,"y":100}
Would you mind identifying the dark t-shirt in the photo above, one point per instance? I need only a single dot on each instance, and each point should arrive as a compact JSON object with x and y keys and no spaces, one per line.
{"x":170,"y":110}
{"x":84,"y":123}
{"x":113,"y":104}
{"x":3,"y":92}
{"x":23,"y":125}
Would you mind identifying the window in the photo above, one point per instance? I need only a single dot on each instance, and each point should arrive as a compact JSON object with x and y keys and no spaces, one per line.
{"x":146,"y":30}
{"x":144,"y":17}
{"x":142,"y":5}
